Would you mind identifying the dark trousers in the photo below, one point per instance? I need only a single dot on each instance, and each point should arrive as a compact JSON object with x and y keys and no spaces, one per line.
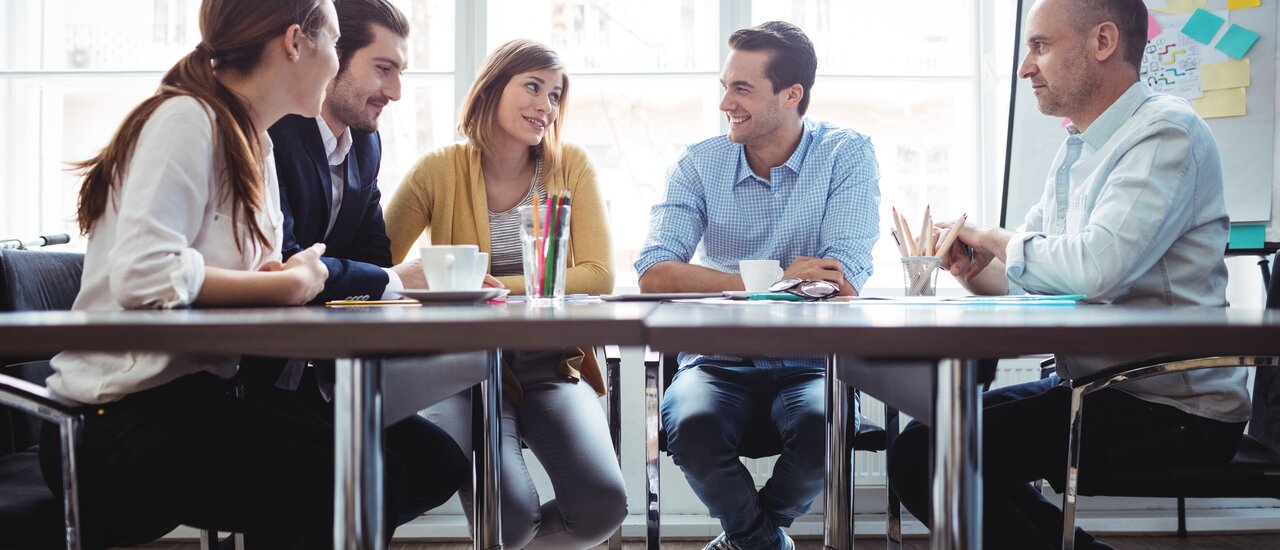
{"x":1024,"y":438}
{"x":189,"y":452}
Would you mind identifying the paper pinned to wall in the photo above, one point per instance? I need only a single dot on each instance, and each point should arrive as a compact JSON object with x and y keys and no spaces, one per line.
{"x":1153,"y":27}
{"x":1237,"y":41}
{"x":1220,"y":103}
{"x":1220,"y":76}
{"x":1242,"y":4}
{"x":1181,"y":6}
{"x":1202,"y":26}
{"x":1171,"y":65}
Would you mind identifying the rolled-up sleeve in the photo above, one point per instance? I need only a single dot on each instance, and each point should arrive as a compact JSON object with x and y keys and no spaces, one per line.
{"x":161,"y":206}
{"x":677,"y":223}
{"x":851,"y":224}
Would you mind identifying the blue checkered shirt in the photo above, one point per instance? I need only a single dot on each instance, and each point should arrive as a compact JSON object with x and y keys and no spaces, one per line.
{"x":823,"y":202}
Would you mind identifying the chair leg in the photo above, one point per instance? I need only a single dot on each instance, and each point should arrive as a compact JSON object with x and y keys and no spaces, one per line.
{"x":69,"y":431}
{"x":613,"y":362}
{"x":1073,"y":467}
{"x":893,"y":515}
{"x":1182,"y":518}
{"x":208,"y":539}
{"x":653,"y":505}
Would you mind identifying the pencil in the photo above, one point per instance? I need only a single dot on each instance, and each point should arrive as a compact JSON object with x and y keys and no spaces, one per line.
{"x":925,"y":245}
{"x":897,"y":225}
{"x":901,"y":249}
{"x":911,"y":240}
{"x":951,"y":235}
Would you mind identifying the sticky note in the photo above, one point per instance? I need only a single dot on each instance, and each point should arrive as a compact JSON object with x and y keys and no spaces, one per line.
{"x":1153,"y":27}
{"x":1237,"y":41}
{"x":1202,"y":26}
{"x":1219,"y":76}
{"x":1242,"y":4}
{"x":1247,"y":236}
{"x":1220,"y":103}
{"x":1181,"y":6}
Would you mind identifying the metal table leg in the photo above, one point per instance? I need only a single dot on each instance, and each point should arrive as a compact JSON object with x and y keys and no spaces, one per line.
{"x":652,"y":461}
{"x":357,"y":441}
{"x":837,"y":498}
{"x":488,"y":474}
{"x":957,"y":466}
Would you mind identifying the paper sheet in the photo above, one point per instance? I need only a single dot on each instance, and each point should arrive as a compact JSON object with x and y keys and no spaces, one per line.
{"x":1202,"y":26}
{"x":1220,"y":103}
{"x":1242,"y":4}
{"x":1181,"y":6}
{"x":1220,"y":76}
{"x":1237,"y":41}
{"x":1171,"y":65}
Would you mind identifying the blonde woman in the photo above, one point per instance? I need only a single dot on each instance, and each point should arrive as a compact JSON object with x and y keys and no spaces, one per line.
{"x":469,"y":193}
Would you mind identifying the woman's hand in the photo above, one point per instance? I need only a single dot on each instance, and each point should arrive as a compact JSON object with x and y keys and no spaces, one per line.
{"x":308,"y":272}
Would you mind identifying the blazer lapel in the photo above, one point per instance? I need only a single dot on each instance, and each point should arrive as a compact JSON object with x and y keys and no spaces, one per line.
{"x":479,"y":200}
{"x":314,"y":146}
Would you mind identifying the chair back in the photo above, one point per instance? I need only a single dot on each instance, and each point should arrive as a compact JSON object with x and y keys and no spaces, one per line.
{"x":1265,"y":424}
{"x":33,"y":281}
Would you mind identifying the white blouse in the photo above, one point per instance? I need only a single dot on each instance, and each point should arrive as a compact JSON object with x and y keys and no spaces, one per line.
{"x":164,"y":223}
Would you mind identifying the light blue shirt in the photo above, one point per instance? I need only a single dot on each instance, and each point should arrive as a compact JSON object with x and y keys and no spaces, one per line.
{"x":822,"y":202}
{"x":1133,"y":213}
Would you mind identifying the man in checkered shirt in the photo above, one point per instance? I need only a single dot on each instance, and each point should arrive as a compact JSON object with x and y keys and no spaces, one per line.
{"x":779,"y":186}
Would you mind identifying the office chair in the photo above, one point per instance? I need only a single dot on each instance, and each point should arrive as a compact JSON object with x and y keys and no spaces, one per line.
{"x":1253,"y":472}
{"x":760,"y":441}
{"x":31,"y":516}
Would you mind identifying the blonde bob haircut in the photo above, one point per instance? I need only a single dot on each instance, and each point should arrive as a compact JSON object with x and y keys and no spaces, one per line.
{"x":504,"y":63}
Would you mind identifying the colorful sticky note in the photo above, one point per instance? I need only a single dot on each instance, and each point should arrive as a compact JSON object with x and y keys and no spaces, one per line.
{"x":1247,"y":236}
{"x":1220,"y":103}
{"x":1237,"y":41}
{"x":1242,"y":4}
{"x":1181,"y":6}
{"x":1153,"y":27}
{"x":1202,"y":26}
{"x":1220,"y":76}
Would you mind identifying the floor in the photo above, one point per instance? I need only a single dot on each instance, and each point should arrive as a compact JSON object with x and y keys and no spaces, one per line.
{"x":1198,"y":542}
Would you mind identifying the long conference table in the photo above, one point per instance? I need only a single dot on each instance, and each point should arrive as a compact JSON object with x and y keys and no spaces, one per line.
{"x":872,"y":339}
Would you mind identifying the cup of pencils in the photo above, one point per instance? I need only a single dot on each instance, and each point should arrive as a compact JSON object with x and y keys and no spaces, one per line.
{"x":544,"y":242}
{"x":921,"y":254}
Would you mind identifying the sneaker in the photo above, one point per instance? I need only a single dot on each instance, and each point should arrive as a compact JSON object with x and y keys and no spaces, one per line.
{"x":722,"y":542}
{"x":785,"y":542}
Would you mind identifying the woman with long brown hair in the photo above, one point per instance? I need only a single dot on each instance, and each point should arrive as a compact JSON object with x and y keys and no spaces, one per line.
{"x":470,"y":193}
{"x":182,"y":210}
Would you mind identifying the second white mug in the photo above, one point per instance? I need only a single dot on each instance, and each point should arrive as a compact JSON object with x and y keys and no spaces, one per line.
{"x":757,"y":275}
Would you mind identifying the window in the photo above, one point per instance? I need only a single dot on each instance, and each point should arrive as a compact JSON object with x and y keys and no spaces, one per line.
{"x":928,"y":81}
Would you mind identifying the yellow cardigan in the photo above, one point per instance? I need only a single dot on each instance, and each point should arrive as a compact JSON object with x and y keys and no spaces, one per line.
{"x":444,"y":195}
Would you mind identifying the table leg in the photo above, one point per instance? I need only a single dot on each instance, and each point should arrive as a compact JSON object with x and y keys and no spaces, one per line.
{"x":957,"y":462}
{"x":357,"y":445}
{"x":488,"y":474}
{"x":838,"y":519}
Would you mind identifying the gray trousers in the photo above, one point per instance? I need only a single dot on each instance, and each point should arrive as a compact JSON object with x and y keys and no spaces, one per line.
{"x":563,"y":423}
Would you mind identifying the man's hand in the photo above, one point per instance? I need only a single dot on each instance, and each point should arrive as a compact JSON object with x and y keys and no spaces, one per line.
{"x":816,"y":269}
{"x":964,"y":259}
{"x":492,"y":282}
{"x":411,"y":275}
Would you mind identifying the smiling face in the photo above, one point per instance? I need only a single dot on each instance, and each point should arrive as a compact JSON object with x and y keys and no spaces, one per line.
{"x":1057,"y":61}
{"x":370,"y":81}
{"x":749,"y":102}
{"x":529,"y":105}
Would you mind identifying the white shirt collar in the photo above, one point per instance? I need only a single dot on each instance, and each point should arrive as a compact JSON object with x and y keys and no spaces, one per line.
{"x":335,"y":148}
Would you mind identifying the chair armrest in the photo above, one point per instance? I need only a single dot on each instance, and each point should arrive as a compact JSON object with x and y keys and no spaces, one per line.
{"x":36,"y":400}
{"x":612,"y":354}
{"x":1139,"y":370}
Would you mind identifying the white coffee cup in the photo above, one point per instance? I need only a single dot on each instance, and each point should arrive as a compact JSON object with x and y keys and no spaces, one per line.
{"x":453,"y":267}
{"x":757,"y":275}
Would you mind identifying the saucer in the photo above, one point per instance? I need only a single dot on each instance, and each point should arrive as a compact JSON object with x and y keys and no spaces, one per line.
{"x":454,"y":296}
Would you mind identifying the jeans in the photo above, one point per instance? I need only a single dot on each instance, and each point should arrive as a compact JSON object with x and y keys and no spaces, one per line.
{"x":1024,"y":438}
{"x":705,"y":412}
{"x":563,"y":424}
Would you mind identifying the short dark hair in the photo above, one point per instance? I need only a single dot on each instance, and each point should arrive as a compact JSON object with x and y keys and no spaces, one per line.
{"x":356,"y":19}
{"x":1130,"y":18}
{"x":792,"y":59}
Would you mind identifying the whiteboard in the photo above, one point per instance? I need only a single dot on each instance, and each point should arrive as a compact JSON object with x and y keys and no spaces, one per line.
{"x":1247,"y":143}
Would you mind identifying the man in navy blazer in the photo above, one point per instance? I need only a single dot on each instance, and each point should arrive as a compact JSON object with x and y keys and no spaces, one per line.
{"x":328,"y":172}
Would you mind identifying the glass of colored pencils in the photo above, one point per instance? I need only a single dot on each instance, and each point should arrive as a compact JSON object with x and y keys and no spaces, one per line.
{"x":544,"y":242}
